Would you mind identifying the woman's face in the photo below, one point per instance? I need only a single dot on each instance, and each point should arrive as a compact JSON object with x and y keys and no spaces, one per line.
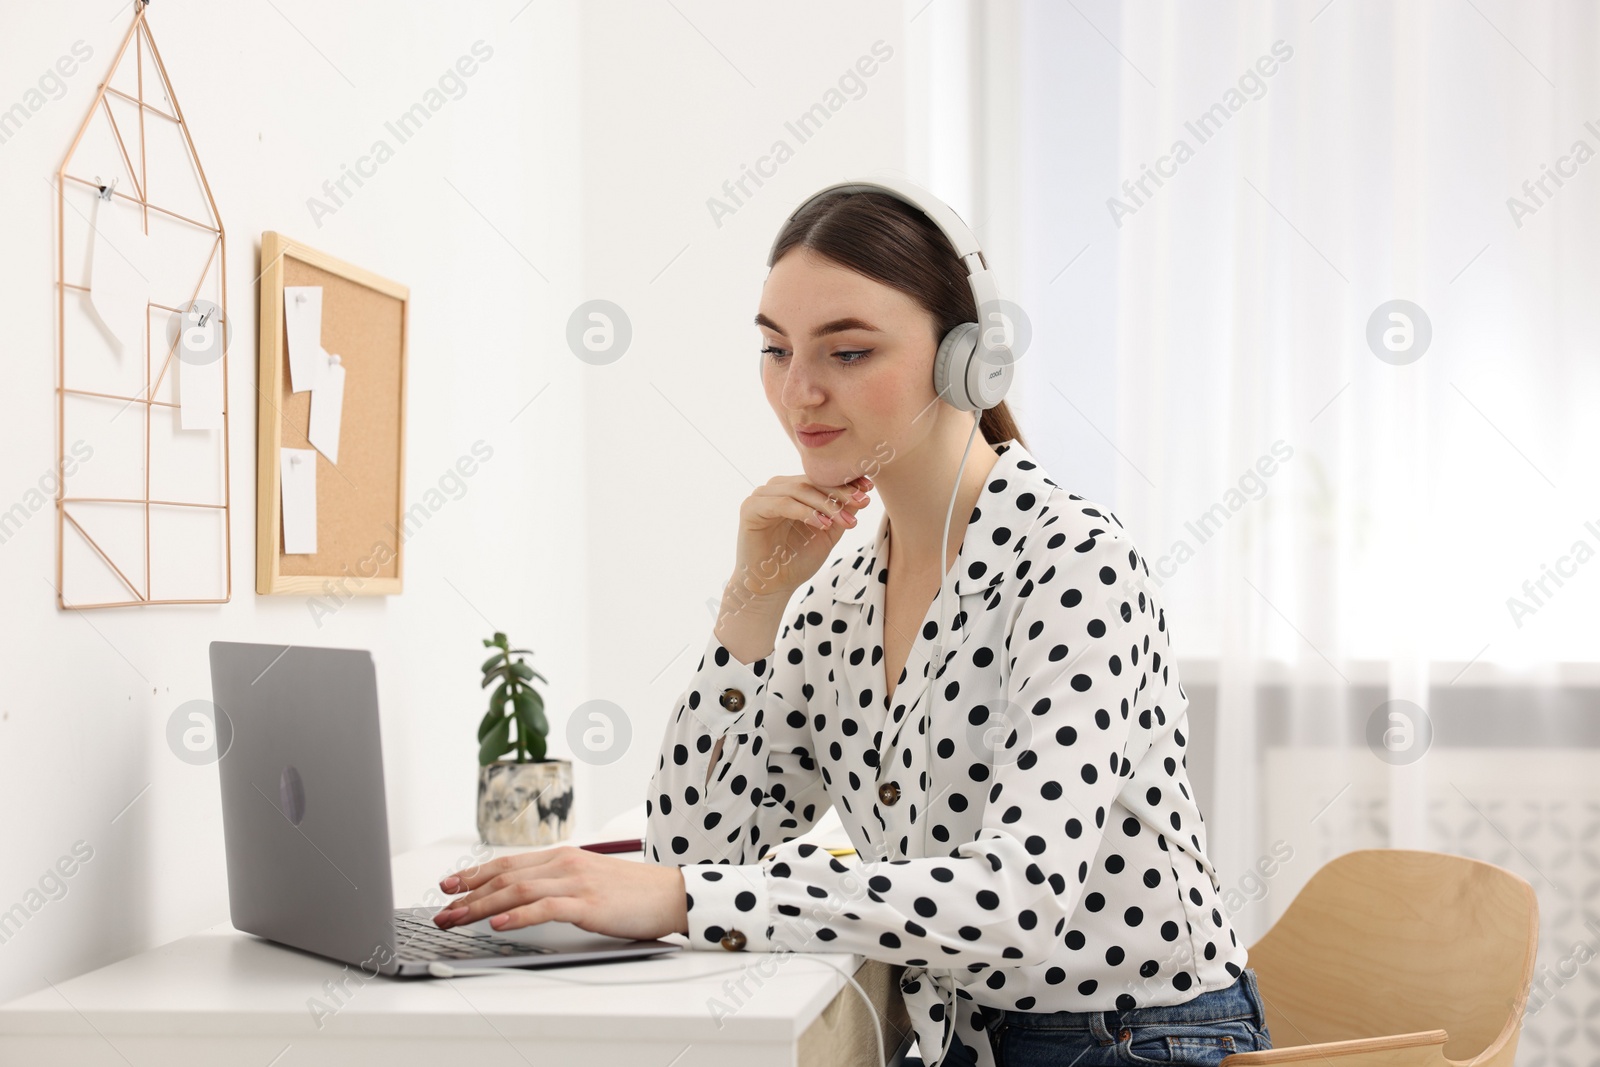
{"x":844,"y":353}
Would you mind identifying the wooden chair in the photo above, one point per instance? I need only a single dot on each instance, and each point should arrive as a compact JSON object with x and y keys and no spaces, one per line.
{"x":1398,"y":958}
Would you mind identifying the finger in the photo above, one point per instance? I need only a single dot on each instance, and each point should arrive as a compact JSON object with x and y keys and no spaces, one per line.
{"x":487,"y":902}
{"x":468,"y":877}
{"x":857,"y":491}
{"x":861,"y":482}
{"x":852,"y":501}
{"x":505,"y":880}
{"x":496,"y":874}
{"x":787,"y":507}
{"x":472,"y":877}
{"x":837,"y":503}
{"x":826,"y":499}
{"x":850,"y":492}
{"x":830,"y":500}
{"x":844,"y":518}
{"x":547,"y":909}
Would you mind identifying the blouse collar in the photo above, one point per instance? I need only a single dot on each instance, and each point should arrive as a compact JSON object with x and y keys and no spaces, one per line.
{"x":1014,"y":497}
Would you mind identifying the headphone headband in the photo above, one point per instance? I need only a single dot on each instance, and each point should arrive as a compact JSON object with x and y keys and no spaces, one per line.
{"x":973,"y":365}
{"x":943,"y":216}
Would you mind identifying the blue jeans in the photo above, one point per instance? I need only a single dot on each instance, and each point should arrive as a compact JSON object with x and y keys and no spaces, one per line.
{"x":1201,"y":1030}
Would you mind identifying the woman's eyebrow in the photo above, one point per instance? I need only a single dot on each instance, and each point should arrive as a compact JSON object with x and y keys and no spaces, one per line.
{"x":836,"y":326}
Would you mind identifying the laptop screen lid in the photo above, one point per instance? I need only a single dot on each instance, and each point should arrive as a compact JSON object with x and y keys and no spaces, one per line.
{"x":303,"y":808}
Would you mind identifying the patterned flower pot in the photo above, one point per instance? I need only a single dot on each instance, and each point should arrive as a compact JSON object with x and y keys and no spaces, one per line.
{"x":525,"y":803}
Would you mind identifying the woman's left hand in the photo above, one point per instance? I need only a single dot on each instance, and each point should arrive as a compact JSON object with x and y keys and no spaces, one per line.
{"x":601,"y":893}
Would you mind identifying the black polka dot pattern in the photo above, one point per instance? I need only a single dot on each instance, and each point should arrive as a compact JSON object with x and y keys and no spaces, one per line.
{"x":1033,"y":844}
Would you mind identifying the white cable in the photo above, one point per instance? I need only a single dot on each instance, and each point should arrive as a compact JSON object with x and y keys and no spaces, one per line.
{"x":872,"y":1011}
{"x":933,"y":682}
{"x":440,"y":969}
{"x":933,"y":695}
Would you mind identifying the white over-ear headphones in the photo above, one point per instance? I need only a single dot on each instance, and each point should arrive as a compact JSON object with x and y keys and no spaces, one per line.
{"x":973,"y":367}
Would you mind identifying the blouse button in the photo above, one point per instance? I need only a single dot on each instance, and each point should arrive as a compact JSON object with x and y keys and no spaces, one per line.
{"x":732,"y":699}
{"x":733,"y":941}
{"x":889,"y":792}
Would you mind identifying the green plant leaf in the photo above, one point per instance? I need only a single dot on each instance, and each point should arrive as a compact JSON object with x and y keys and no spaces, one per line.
{"x":491,"y":675}
{"x":521,"y":651}
{"x":540,"y":726}
{"x":541,"y":677}
{"x":497,"y":700}
{"x":489,"y":719}
{"x":500,"y":639}
{"x":496,"y":743}
{"x":493,"y":661}
{"x":536,"y":748}
{"x":522,"y":670}
{"x":530,"y":715}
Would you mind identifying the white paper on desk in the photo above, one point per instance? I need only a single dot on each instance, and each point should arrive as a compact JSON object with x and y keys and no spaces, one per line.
{"x":199,"y":376}
{"x":302,"y":317}
{"x":297,"y":470}
{"x":327,"y":403}
{"x":119,"y":289}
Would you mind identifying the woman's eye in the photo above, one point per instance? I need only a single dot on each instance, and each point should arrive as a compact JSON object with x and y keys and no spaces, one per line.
{"x":845,"y":358}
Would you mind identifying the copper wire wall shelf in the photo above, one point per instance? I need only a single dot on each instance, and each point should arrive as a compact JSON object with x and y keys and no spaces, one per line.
{"x":143,"y":510}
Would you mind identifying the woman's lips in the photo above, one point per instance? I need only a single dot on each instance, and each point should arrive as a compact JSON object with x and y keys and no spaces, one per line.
{"x":817,"y":440}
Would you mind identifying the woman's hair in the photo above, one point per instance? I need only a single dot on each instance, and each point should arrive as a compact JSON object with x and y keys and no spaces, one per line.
{"x":886,"y":239}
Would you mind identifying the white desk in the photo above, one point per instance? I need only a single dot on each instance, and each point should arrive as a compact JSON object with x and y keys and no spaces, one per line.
{"x":222,"y":997}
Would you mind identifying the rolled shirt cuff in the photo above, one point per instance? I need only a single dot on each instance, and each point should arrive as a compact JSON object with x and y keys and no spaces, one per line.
{"x":728,"y":906}
{"x":724,"y":688}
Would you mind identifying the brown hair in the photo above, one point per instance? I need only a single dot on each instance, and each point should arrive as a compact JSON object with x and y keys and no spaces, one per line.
{"x":886,"y":239}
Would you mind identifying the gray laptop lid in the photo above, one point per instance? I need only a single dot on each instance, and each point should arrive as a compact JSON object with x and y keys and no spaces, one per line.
{"x":303,"y":808}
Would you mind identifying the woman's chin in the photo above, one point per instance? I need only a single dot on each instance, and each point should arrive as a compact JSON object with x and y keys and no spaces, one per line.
{"x":826,"y":473}
{"x":836,"y":462}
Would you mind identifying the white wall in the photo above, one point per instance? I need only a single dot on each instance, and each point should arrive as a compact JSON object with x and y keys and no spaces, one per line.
{"x":678,"y":431}
{"x":581,"y":157}
{"x":85,"y":697}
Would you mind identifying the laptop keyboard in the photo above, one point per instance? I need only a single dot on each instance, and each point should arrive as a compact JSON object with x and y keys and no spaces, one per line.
{"x":420,"y":939}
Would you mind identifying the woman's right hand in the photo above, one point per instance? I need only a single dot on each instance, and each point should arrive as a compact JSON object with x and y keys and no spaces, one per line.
{"x":787,"y":529}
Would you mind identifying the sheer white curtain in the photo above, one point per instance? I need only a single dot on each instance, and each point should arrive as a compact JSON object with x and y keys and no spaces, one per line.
{"x":1312,"y":291}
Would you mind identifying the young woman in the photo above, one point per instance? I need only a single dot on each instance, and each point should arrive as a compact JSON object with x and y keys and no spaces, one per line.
{"x":1030,"y":851}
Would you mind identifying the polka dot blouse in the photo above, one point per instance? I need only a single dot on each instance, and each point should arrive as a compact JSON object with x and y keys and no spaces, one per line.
{"x":1030,"y":844}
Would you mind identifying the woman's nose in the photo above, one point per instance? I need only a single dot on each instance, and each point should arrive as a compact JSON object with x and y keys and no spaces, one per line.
{"x":800,"y":386}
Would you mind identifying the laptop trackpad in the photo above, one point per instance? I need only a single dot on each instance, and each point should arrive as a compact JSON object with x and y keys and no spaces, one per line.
{"x":559,"y":936}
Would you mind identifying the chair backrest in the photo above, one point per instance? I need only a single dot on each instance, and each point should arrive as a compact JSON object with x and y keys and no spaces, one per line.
{"x":1391,"y":941}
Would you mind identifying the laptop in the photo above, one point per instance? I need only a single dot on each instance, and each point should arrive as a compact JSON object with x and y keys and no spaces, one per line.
{"x":307,"y":829}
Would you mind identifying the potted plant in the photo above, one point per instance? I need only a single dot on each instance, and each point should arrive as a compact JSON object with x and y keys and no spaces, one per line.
{"x":526,"y":800}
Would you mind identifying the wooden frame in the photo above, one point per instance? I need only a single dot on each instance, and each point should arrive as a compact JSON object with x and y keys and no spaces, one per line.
{"x":366,"y":321}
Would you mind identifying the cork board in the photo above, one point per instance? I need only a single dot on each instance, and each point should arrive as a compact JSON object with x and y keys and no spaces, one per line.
{"x":360,"y":501}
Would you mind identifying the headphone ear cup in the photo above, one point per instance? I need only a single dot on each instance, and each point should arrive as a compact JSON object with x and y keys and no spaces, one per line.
{"x":950,"y":365}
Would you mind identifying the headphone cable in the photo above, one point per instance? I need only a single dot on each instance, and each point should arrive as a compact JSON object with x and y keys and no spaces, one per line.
{"x":933,"y":687}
